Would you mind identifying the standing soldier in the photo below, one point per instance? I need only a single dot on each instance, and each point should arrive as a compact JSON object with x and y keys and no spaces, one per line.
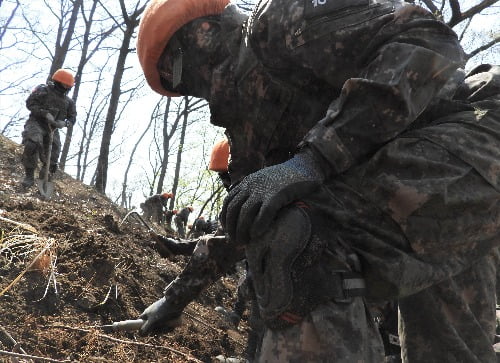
{"x":154,"y":205}
{"x":50,"y":109}
{"x":169,"y":214}
{"x":181,"y":219}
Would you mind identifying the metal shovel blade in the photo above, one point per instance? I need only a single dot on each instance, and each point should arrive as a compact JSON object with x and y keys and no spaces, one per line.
{"x":46,"y":188}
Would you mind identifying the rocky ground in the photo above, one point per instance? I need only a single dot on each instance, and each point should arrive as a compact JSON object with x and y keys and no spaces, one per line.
{"x":69,"y":264}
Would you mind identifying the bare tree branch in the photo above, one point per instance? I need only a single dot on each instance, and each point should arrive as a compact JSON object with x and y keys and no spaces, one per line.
{"x":488,"y":45}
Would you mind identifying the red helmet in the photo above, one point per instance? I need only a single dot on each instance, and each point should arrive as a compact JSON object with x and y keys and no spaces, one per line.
{"x":167,"y":195}
{"x":65,"y":77}
{"x":219,"y":159}
{"x":160,"y":20}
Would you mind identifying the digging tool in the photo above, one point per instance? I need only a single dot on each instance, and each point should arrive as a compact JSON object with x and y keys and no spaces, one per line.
{"x":134,"y":325}
{"x":45,"y":187}
{"x":138,"y":216}
{"x":125,"y":325}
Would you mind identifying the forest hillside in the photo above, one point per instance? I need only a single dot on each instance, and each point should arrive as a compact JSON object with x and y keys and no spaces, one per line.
{"x":72,"y":263}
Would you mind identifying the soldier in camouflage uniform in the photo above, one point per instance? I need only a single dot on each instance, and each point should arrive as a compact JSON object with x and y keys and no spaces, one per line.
{"x":392,"y":192}
{"x":50,"y":109}
{"x":154,"y":205}
{"x":181,"y":219}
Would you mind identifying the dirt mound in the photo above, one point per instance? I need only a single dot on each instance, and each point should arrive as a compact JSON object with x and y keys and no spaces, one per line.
{"x":69,"y":264}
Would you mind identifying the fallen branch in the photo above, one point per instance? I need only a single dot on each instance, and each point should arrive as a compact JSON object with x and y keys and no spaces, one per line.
{"x":22,"y":225}
{"x":187,"y":356}
{"x":211,"y":327}
{"x":9,"y":340}
{"x":28,"y":356}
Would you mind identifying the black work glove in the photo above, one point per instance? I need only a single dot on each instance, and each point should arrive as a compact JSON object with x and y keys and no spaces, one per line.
{"x":159,"y":318}
{"x":252,"y":205}
{"x":58,"y":124}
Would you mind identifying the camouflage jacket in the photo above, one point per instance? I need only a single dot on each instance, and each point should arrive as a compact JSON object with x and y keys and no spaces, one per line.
{"x":156,"y":200}
{"x":46,"y":98}
{"x":343,"y":77}
{"x":183,"y":214}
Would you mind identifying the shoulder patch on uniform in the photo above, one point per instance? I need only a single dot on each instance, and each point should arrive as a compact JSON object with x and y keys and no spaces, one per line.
{"x":315,"y":8}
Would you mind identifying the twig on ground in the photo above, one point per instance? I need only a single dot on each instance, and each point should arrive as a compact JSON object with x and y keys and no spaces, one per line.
{"x":9,"y":340}
{"x":211,"y":327}
{"x":122,"y":341}
{"x":20,"y":224}
{"x":28,"y":356}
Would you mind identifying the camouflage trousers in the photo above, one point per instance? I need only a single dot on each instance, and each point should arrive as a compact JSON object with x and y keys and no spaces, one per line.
{"x":457,"y":311}
{"x":36,"y":144}
{"x":181,"y":228}
{"x":333,"y":332}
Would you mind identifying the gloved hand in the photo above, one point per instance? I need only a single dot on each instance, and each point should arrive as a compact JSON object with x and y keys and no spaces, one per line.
{"x":49,"y":117}
{"x":59,"y":124}
{"x":159,"y":318}
{"x":251,"y":205}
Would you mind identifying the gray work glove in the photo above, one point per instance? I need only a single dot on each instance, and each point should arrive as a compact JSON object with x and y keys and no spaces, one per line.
{"x":251,"y":206}
{"x":58,"y":124}
{"x":159,"y":318}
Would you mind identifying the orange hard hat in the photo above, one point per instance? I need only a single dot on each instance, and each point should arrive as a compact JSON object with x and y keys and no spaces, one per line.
{"x":219,"y":159}
{"x":160,"y":20}
{"x":167,"y":195}
{"x":65,"y":77}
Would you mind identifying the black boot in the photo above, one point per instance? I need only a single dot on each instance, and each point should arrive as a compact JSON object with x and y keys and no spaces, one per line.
{"x":29,"y":179}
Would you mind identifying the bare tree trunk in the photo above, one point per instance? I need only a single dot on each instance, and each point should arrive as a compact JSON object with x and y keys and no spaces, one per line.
{"x":62,"y":48}
{"x":179,"y":151}
{"x":166,"y":148}
{"x":131,"y":23}
{"x":78,"y":77}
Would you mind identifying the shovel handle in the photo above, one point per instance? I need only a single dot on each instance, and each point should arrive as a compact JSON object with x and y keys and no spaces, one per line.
{"x":128,"y":325}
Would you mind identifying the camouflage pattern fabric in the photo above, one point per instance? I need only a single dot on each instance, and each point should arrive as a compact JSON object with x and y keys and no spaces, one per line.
{"x":42,"y":100}
{"x":36,"y":144}
{"x":413,"y":182}
{"x":333,"y":332}
{"x":457,"y":311}
{"x":153,"y":208}
{"x":180,"y":220}
{"x":209,"y":261}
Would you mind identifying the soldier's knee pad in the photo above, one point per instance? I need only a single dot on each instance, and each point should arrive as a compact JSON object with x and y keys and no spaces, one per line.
{"x":298,"y":265}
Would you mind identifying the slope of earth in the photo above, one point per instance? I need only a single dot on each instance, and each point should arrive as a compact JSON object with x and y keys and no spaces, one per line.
{"x":69,"y":264}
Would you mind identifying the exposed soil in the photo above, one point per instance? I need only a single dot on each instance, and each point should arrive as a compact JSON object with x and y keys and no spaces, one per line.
{"x":95,"y":270}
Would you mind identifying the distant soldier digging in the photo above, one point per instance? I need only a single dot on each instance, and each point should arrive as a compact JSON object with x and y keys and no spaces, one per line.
{"x":153,"y":207}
